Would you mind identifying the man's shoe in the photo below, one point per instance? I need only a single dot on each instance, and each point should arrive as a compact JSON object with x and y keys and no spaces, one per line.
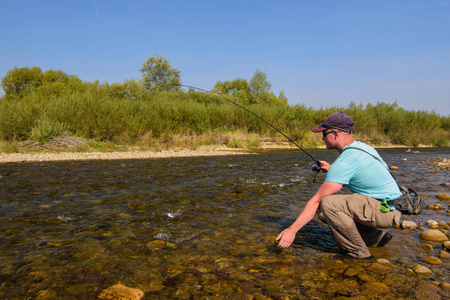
{"x":385,"y":239}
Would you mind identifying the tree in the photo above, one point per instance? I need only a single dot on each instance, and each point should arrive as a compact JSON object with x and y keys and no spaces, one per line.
{"x":259,"y":84}
{"x":237,"y":88}
{"x":21,"y":81}
{"x":157,"y":71}
{"x":257,"y":91}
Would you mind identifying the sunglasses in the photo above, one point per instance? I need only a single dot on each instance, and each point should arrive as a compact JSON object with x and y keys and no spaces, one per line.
{"x":326,"y":133}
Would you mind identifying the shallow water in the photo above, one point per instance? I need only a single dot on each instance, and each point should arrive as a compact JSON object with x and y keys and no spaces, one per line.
{"x":198,"y":227}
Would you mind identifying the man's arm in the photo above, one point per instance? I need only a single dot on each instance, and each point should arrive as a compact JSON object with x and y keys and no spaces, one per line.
{"x":287,"y":236}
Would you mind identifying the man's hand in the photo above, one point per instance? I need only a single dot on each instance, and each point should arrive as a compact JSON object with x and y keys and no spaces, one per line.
{"x":286,"y":237}
{"x":324,"y":166}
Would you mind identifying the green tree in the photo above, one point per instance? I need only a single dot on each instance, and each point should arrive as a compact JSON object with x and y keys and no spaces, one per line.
{"x":259,"y":84}
{"x":282,"y":99}
{"x":21,"y":81}
{"x":54,"y":83}
{"x":157,"y":71}
{"x":237,"y":88}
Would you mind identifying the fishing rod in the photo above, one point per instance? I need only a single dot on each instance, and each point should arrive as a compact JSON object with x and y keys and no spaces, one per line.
{"x":314,"y":166}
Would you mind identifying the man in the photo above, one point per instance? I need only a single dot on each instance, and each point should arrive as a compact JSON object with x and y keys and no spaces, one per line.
{"x":353,"y":219}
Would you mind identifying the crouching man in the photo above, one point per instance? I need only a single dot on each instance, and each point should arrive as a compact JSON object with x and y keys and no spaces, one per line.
{"x":355,"y":220}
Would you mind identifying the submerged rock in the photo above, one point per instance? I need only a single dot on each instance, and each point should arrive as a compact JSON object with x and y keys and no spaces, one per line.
{"x":380,"y":269}
{"x":443,"y":225}
{"x":428,"y":247}
{"x":434,"y":207}
{"x":433,"y":260}
{"x":433,"y":235}
{"x":157,"y":245}
{"x":444,"y":254}
{"x":421,"y":270}
{"x":375,"y":288}
{"x":446,"y":244}
{"x":432,"y":224}
{"x":443,"y":196}
{"x":122,"y":292}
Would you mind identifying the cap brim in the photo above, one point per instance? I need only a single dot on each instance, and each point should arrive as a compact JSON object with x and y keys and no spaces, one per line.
{"x":318,"y":128}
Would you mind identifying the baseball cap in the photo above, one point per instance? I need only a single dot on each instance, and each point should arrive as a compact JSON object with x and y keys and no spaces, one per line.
{"x":338,"y":120}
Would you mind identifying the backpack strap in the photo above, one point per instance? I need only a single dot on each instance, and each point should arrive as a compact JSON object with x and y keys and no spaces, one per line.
{"x":375,"y":158}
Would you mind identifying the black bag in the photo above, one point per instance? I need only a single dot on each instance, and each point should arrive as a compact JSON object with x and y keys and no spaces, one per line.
{"x":410,"y":203}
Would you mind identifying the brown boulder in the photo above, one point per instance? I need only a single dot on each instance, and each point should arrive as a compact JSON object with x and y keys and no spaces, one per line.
{"x":119,"y":291}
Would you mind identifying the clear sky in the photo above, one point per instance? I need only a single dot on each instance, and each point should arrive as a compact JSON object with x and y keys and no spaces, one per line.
{"x":321,"y":53}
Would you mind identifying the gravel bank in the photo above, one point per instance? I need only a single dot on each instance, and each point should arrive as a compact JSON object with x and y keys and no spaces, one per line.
{"x":64,"y":156}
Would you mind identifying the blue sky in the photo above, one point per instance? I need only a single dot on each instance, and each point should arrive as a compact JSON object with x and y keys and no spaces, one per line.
{"x":321,"y":53}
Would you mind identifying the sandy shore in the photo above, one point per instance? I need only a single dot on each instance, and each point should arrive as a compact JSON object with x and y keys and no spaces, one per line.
{"x":64,"y":156}
{"x":205,"y":151}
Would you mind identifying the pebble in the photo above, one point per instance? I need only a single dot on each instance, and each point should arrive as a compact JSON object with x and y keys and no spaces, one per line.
{"x":444,"y":254}
{"x":365,"y":278}
{"x":120,"y":291}
{"x":350,"y":272}
{"x":432,"y":224}
{"x":433,"y":260}
{"x":408,"y":225}
{"x":428,"y":247}
{"x":445,"y":285}
{"x":446,"y":244}
{"x":443,"y":225}
{"x":384,"y":261}
{"x":421,"y":270}
{"x":393,"y":167}
{"x":434,"y":207}
{"x":433,"y":235}
{"x":443,"y":196}
{"x":157,"y":245}
{"x":379,"y":269}
{"x":375,"y":288}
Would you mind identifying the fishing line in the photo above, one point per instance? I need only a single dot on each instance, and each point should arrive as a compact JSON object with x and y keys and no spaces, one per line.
{"x":315,"y":167}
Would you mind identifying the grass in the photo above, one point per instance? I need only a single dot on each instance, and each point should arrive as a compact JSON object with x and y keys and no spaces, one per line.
{"x":190,"y":120}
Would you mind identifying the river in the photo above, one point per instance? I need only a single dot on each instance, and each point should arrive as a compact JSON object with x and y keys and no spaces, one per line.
{"x":199,"y":228}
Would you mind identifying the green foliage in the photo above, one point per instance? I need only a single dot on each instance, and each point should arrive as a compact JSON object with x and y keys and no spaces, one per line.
{"x":47,"y":128}
{"x":21,"y":81}
{"x":127,"y":113}
{"x":157,"y":71}
{"x":259,"y":84}
{"x":255,"y":91}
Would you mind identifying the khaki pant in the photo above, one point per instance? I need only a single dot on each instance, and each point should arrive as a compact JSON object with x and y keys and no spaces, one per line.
{"x":354,"y":219}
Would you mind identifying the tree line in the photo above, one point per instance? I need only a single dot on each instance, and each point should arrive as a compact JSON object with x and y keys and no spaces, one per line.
{"x":155,"y":110}
{"x":157,"y":72}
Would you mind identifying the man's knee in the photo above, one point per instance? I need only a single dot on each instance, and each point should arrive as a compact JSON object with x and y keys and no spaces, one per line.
{"x":327,"y":203}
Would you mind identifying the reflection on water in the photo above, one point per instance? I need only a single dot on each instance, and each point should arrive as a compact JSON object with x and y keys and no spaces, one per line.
{"x":193,"y":227}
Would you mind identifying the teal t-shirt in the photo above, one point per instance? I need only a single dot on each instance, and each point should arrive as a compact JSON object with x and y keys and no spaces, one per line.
{"x":363,"y":174}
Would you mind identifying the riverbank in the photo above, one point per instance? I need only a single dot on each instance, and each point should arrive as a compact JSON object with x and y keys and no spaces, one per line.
{"x":67,"y":153}
{"x":116,"y":155}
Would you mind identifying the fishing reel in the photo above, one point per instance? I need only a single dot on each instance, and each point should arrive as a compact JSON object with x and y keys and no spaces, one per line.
{"x":316,"y":170}
{"x":314,"y":167}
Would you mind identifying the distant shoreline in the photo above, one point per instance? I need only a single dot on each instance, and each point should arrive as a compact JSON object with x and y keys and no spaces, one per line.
{"x":146,"y":154}
{"x":72,"y":156}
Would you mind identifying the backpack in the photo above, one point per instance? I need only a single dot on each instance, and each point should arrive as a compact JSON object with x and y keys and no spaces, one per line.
{"x":410,"y":203}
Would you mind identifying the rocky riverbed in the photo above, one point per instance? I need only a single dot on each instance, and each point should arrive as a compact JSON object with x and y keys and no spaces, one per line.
{"x":203,"y":227}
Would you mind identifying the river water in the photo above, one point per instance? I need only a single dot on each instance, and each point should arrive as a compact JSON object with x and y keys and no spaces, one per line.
{"x":199,"y":228}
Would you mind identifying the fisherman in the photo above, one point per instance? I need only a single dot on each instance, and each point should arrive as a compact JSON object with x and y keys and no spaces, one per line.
{"x":354,"y":219}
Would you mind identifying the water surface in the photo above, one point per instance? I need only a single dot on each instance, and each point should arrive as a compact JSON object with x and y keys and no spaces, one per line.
{"x":197,"y":227}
